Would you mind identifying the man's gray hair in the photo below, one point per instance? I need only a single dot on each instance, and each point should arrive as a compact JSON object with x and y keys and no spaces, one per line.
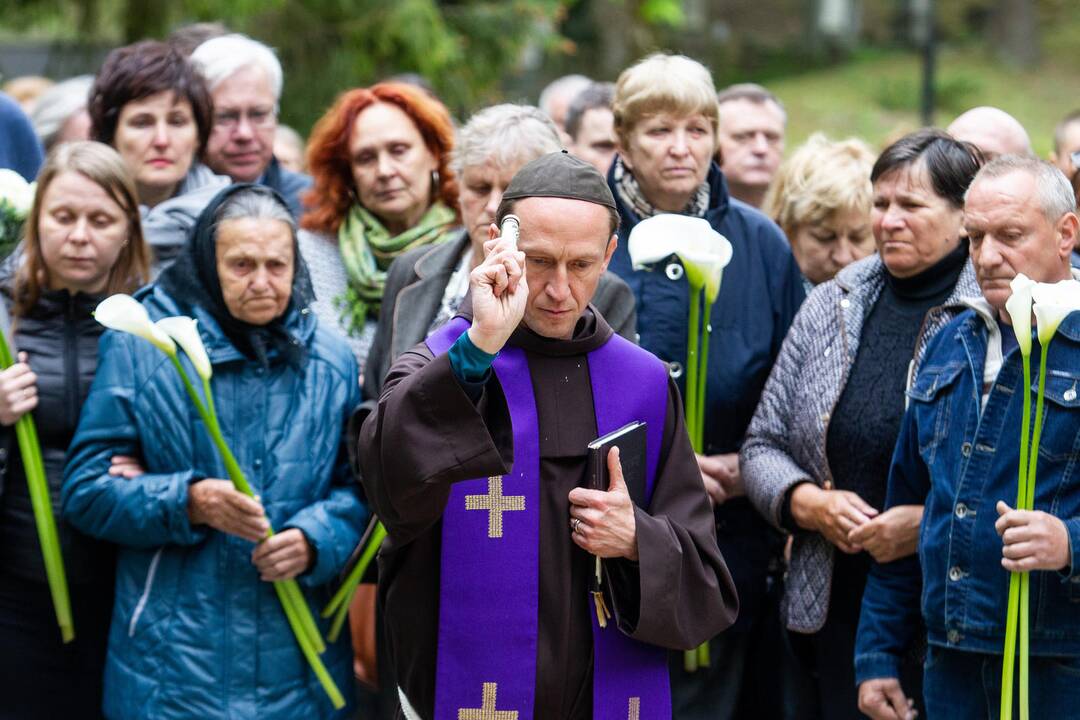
{"x":568,"y":84}
{"x":1052,"y":188}
{"x":256,"y":203}
{"x":598,"y":95}
{"x":757,"y":94}
{"x":505,"y":135}
{"x":57,"y":105}
{"x":219,"y":58}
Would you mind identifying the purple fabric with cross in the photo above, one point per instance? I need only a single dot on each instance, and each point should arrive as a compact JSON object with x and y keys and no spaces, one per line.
{"x":489,"y":583}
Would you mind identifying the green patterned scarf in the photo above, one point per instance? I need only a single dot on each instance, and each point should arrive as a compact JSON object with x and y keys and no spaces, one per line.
{"x":367,"y":249}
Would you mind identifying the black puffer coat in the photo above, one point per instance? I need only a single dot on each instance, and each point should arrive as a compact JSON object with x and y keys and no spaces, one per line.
{"x":60,"y":336}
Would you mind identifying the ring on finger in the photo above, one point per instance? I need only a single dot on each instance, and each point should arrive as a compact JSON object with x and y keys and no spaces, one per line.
{"x":574,"y":525}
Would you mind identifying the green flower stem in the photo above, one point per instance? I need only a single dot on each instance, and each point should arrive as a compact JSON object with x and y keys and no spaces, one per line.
{"x":1029,"y":504}
{"x":703,"y":371}
{"x":339,"y":604}
{"x":693,"y":337}
{"x":292,"y":599}
{"x":1013,"y":616}
{"x":41,"y":503}
{"x":309,"y":651}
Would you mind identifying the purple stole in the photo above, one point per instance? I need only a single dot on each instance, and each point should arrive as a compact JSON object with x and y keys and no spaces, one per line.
{"x":489,"y":581}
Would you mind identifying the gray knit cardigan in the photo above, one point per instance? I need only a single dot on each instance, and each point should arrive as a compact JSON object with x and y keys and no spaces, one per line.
{"x":785,"y":444}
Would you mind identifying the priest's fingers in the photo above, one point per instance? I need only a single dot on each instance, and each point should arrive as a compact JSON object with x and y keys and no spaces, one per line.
{"x":582,"y":497}
{"x":584,"y":516}
{"x":617,"y":484}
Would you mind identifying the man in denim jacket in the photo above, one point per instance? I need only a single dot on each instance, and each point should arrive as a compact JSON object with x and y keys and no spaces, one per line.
{"x":957,"y":453}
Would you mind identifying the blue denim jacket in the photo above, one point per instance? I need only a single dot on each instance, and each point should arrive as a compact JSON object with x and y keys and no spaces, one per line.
{"x":960,"y":462}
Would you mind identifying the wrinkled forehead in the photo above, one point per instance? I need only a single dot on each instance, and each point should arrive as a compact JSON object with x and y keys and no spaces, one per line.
{"x":255,"y":239}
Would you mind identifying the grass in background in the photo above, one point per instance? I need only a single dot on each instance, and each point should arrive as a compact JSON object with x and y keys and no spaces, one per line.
{"x":875,"y":96}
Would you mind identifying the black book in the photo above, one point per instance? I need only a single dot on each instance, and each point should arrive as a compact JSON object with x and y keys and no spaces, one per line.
{"x":631,"y":442}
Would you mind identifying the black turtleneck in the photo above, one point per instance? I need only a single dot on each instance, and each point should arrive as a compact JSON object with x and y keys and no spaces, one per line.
{"x":864,"y":425}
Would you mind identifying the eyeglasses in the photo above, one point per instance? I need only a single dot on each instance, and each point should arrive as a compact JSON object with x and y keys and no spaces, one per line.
{"x":256,"y":117}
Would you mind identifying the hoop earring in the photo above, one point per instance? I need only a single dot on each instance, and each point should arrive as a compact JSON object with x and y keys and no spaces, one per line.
{"x":435,"y":180}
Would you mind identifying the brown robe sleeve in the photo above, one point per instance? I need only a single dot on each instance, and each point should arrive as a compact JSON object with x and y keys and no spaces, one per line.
{"x":679,"y":594}
{"x":425,"y":434}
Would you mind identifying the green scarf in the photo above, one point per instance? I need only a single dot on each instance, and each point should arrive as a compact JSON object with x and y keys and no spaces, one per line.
{"x":367,"y":249}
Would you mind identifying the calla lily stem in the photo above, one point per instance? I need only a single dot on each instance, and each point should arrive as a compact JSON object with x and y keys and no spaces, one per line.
{"x":297,"y":611}
{"x":41,"y":502}
{"x":339,"y":604}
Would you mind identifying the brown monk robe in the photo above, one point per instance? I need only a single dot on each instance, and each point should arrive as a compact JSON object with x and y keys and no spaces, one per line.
{"x":426,"y":434}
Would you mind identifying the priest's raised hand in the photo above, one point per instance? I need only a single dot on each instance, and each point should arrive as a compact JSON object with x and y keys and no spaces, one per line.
{"x":602,"y":522}
{"x":499,"y":294}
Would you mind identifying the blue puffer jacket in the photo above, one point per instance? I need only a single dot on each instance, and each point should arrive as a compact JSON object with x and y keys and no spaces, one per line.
{"x":761,"y":292}
{"x":960,"y":459}
{"x":195,"y":633}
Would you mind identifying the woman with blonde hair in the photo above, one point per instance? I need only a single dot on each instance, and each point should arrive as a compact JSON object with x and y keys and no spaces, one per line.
{"x":83,"y":242}
{"x":666,"y":118}
{"x":821,"y":199}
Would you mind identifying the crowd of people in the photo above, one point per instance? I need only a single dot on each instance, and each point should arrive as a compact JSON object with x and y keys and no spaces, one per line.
{"x":839,"y":539}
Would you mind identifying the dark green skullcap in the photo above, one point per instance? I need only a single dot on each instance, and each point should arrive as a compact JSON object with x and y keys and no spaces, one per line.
{"x":559,"y":175}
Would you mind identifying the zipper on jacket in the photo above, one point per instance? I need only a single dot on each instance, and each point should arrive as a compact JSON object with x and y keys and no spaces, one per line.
{"x":147,"y":587}
{"x":71,"y":363}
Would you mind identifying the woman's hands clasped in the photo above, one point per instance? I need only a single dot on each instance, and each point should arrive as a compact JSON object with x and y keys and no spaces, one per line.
{"x":852,"y":525}
{"x":218,"y":504}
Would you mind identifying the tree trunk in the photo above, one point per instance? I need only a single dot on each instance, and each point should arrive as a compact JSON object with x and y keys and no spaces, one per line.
{"x":1014,"y":32}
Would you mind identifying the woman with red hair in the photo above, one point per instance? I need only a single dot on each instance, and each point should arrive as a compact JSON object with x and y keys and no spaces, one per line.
{"x":382,"y":186}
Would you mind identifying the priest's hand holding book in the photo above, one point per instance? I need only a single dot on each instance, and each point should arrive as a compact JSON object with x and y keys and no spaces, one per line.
{"x":602,"y":522}
{"x":499,"y":294}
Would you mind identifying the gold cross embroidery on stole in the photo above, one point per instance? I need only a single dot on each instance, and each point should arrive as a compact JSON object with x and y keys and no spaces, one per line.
{"x":487,"y":711}
{"x":635,"y":709}
{"x":496,"y":504}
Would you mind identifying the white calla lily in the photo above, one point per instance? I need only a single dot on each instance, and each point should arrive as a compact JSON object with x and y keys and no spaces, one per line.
{"x":704,"y":252}
{"x":185,"y":332}
{"x":1053,"y":303}
{"x":124,"y":313}
{"x":1019,"y":308}
{"x":16,"y":192}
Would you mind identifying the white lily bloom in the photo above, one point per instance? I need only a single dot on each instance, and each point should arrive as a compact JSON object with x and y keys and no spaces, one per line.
{"x":185,"y":332}
{"x":703,"y":251}
{"x":125,"y":313}
{"x":1019,"y":308}
{"x":16,"y":192}
{"x":1053,"y":303}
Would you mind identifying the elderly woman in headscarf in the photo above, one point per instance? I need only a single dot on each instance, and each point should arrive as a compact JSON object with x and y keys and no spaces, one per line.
{"x":197,"y":629}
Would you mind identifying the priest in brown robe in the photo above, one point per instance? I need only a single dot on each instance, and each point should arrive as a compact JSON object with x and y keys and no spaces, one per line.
{"x":475,"y":459}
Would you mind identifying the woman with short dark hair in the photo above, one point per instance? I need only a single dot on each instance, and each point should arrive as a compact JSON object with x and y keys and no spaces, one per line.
{"x":153,"y":107}
{"x":816,"y":457}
